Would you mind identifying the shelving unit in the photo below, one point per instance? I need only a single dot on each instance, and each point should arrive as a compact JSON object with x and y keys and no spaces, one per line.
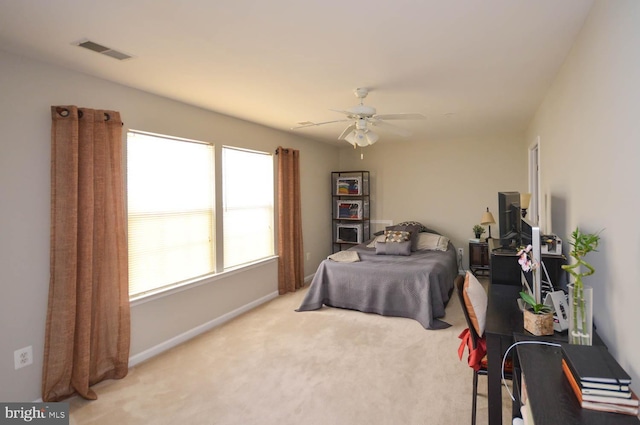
{"x":350,"y":208}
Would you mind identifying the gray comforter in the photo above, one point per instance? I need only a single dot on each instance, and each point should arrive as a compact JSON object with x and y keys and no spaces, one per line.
{"x":416,"y":286}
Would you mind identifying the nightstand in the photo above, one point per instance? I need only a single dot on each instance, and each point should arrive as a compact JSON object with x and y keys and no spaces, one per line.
{"x":479,"y":258}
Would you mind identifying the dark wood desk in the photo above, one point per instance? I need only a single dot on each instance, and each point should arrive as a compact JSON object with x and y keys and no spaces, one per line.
{"x":503,"y":319}
{"x":551,"y":398}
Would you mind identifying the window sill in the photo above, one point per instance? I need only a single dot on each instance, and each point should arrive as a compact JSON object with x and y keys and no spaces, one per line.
{"x":183,"y":286}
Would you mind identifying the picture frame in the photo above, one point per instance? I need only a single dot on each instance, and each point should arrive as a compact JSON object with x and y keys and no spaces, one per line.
{"x":349,"y":209}
{"x":346,"y":186}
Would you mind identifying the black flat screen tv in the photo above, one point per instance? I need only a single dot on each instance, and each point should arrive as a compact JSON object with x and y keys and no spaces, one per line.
{"x":509,"y":220}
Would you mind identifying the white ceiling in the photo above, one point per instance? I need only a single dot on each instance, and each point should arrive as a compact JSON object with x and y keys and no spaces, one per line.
{"x":472,"y":67}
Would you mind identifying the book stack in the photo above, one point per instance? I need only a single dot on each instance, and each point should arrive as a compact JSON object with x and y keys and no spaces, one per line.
{"x":598,"y":380}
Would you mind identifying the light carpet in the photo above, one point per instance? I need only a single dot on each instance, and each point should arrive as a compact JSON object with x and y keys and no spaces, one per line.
{"x":273,"y":365}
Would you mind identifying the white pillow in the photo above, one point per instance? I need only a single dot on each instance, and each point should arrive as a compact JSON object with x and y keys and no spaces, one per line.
{"x":476,"y":300}
{"x":432,"y":241}
{"x":380,"y":238}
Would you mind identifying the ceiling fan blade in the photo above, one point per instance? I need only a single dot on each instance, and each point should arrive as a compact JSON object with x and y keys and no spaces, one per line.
{"x":400,"y":117}
{"x":392,"y":128}
{"x":342,"y":111}
{"x":313,"y":124}
{"x":347,"y":131}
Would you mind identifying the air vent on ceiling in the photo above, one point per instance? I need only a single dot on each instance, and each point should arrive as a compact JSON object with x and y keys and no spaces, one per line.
{"x":99,"y":48}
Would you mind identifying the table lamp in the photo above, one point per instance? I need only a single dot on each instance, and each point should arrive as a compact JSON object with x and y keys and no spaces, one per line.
{"x":525,"y":199}
{"x":487,"y":220}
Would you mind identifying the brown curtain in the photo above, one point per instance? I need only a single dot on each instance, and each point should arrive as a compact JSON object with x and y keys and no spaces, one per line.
{"x":290,"y":262}
{"x":88,"y":327}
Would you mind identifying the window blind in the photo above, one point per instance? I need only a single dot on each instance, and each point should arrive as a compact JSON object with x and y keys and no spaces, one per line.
{"x":170,"y":191}
{"x":247,"y":206}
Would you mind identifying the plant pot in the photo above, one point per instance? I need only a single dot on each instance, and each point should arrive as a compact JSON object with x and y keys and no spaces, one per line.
{"x":538,"y":324}
{"x":580,"y":330}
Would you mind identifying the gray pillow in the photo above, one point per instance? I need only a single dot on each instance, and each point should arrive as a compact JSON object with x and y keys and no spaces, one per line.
{"x":413,"y":229}
{"x":423,"y":228}
{"x":412,"y":223}
{"x":393,"y":248}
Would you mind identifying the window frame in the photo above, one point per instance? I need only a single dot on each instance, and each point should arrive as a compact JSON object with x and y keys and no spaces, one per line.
{"x":218,"y":246}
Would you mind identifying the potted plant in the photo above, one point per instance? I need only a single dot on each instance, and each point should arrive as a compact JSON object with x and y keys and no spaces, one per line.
{"x":580,"y":295}
{"x":538,"y":318}
{"x":533,"y":305}
{"x":478,"y":231}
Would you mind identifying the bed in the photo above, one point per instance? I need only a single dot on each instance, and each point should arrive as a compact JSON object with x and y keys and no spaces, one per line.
{"x":416,"y":286}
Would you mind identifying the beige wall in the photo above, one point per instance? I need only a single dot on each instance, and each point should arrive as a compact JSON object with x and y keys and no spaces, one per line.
{"x":590,"y":144}
{"x":28,"y":89}
{"x":444,"y":184}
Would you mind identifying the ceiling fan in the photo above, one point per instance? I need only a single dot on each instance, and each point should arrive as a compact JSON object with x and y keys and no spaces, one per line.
{"x":362,"y":118}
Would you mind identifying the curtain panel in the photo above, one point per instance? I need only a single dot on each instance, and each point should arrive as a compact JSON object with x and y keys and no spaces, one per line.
{"x":88,"y":319}
{"x":290,"y":249}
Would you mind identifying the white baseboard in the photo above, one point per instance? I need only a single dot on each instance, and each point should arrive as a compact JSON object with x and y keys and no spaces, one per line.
{"x":179,"y":339}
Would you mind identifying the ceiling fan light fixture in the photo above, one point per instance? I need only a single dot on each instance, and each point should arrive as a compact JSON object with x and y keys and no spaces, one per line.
{"x":361,"y":138}
{"x":351,"y":138}
{"x":372,"y":137}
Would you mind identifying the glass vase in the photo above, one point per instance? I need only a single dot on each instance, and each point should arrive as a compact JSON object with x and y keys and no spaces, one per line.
{"x":580,"y":330}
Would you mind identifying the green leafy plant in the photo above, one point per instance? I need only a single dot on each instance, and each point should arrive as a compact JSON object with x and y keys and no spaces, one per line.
{"x":536,"y":307}
{"x":478,"y":230}
{"x":582,"y":244}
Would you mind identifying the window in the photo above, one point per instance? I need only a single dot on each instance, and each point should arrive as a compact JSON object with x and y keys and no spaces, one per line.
{"x":172,"y":193}
{"x":170,"y":189}
{"x":247,"y":206}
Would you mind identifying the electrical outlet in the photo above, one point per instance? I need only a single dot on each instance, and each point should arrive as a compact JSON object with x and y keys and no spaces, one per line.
{"x":308,"y":256}
{"x":461,"y":252}
{"x":23,"y":357}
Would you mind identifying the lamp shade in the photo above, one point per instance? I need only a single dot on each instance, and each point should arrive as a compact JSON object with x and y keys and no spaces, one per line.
{"x":361,"y":137}
{"x":351,"y":138}
{"x":487,"y":218}
{"x":372,"y":137}
{"x":525,"y":199}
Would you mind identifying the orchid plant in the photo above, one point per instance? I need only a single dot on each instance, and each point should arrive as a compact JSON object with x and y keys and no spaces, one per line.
{"x":536,"y":307}
{"x":529,"y":264}
{"x":526,"y":260}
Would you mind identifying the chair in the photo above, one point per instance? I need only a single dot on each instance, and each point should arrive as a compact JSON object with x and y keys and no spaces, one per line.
{"x":477,"y":342}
